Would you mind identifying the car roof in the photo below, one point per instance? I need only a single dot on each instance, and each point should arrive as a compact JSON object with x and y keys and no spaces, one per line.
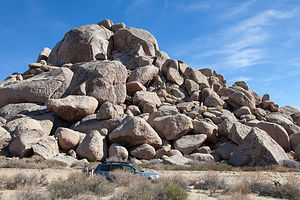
{"x":116,"y":163}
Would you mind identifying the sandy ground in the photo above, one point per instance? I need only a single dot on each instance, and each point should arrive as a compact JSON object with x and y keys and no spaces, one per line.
{"x":229,"y":178}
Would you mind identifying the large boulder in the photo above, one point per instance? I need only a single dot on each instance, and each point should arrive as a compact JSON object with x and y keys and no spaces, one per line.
{"x":40,"y":88}
{"x":73,"y":107}
{"x":143,"y":74}
{"x":10,"y":111}
{"x":117,"y":152}
{"x":297,"y":153}
{"x":22,"y":125}
{"x":196,"y":76}
{"x":238,"y":132}
{"x":177,"y":160}
{"x":46,"y":148}
{"x":225,"y":150}
{"x":133,"y":87}
{"x":170,"y":125}
{"x":203,"y":127}
{"x":93,"y":147}
{"x":22,"y":145}
{"x":5,"y":138}
{"x":104,"y":80}
{"x":130,"y":38}
{"x":144,"y":151}
{"x":108,"y":111}
{"x":171,"y":70}
{"x":214,"y":100}
{"x":295,"y":140}
{"x":135,"y":131}
{"x":146,"y":97}
{"x":82,"y":44}
{"x":188,"y":143}
{"x":67,"y":138}
{"x":258,"y":149}
{"x":88,"y":125}
{"x":201,"y":157}
{"x":277,"y":132}
{"x":287,"y":124}
{"x":44,"y":54}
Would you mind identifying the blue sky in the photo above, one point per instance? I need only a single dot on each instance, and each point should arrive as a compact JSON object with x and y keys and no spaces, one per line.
{"x":256,"y":41}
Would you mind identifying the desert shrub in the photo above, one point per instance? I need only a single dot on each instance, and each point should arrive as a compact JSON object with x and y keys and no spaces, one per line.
{"x":210,"y":181}
{"x":124,"y":178}
{"x":215,"y":166}
{"x":163,"y":189}
{"x":78,"y":183}
{"x":34,"y":162}
{"x":259,"y":185}
{"x":22,"y":180}
{"x":32,"y":194}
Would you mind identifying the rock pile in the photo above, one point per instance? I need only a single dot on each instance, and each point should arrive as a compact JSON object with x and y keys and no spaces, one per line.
{"x":106,"y":91}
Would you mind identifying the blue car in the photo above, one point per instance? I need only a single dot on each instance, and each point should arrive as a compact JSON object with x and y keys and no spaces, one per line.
{"x":104,"y":169}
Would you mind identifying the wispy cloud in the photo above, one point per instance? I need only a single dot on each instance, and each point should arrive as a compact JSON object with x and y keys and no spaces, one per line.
{"x":242,"y":44}
{"x":241,"y":8}
{"x":138,"y":8}
{"x":198,"y":6}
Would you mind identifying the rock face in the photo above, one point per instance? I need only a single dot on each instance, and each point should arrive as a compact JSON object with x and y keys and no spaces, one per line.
{"x":93,"y":147}
{"x":106,"y":93}
{"x":39,"y":88}
{"x":258,"y":149}
{"x":73,"y":108}
{"x":188,"y":143}
{"x":82,"y":44}
{"x":135,"y":131}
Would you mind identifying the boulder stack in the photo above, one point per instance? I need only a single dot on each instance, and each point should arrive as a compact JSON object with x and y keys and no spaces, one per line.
{"x":106,"y":91}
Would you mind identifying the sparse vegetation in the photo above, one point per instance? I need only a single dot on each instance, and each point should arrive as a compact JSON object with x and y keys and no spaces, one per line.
{"x":211,"y":182}
{"x":217,"y":167}
{"x":31,"y":163}
{"x":21,"y":181}
{"x":78,"y":183}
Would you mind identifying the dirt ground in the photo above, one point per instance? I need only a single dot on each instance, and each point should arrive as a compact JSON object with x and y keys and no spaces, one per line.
{"x":229,"y":177}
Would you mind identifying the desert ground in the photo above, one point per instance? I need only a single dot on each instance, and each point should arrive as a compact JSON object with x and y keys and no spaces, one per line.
{"x":229,"y":177}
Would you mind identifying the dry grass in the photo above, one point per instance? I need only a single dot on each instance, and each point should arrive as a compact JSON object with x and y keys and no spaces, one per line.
{"x":217,"y":167}
{"x":78,"y":183}
{"x":32,"y":194}
{"x":211,"y":182}
{"x":31,"y":163}
{"x":21,"y":181}
{"x":257,"y":183}
{"x":138,"y":187}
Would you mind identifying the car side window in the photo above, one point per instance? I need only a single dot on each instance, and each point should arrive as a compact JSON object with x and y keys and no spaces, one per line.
{"x":104,"y":168}
{"x":115,"y":167}
{"x":128,"y":168}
